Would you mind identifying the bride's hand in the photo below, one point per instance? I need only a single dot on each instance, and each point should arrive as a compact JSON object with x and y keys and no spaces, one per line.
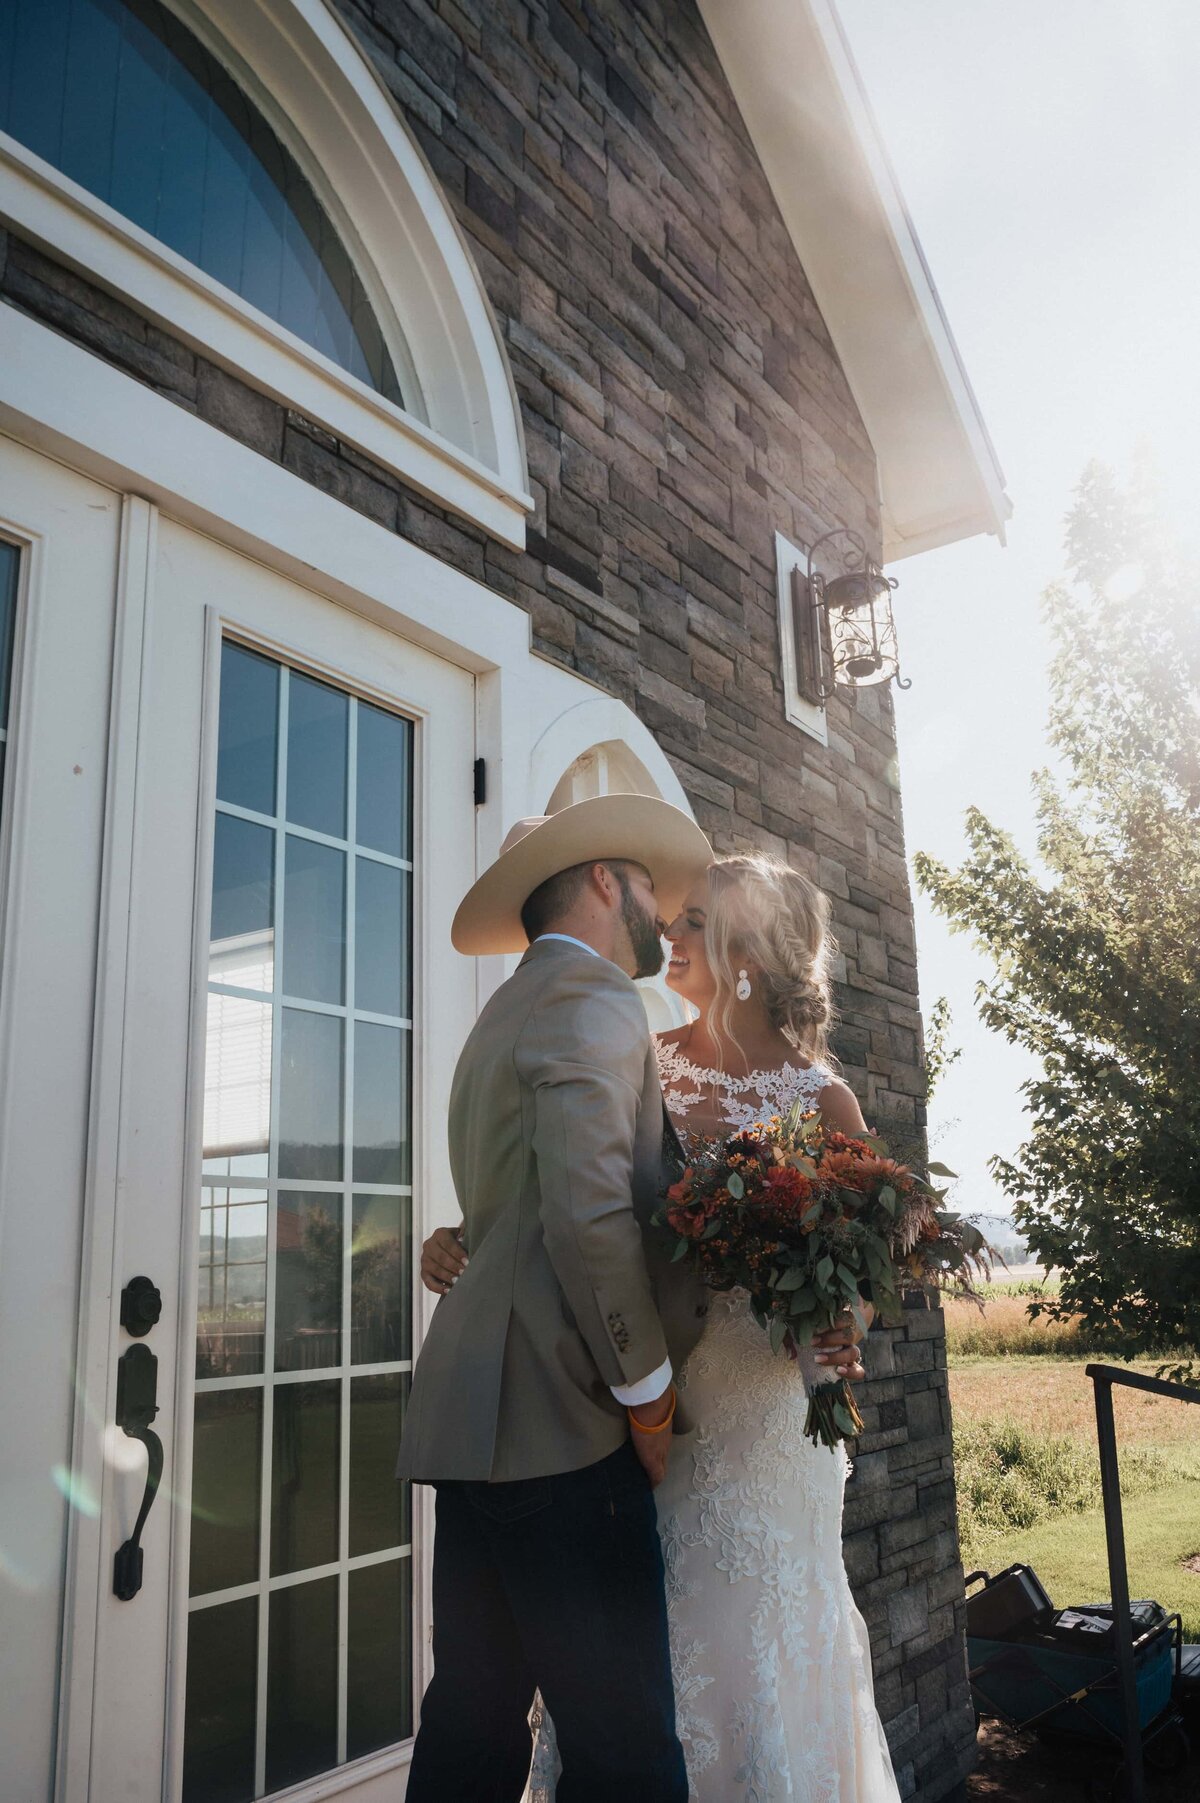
{"x":442,"y":1259}
{"x":838,"y":1345}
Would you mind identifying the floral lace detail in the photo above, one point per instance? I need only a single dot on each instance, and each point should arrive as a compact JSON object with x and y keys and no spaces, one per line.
{"x":774,"y":1695}
{"x":743,"y":1100}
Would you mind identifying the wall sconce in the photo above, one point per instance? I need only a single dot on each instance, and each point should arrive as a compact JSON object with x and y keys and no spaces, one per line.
{"x":844,"y":631}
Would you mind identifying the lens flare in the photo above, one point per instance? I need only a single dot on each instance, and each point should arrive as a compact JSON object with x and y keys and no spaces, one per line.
{"x":78,"y":1492}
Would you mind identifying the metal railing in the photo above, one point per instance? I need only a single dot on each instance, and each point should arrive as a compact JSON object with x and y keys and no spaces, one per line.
{"x":1103,"y":1378}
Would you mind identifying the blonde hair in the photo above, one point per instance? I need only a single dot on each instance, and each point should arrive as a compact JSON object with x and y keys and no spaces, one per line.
{"x":763,"y":913}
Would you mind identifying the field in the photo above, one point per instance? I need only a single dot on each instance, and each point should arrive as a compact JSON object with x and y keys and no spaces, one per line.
{"x":1028,"y":1473}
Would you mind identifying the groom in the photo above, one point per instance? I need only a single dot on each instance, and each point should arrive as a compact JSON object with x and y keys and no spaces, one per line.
{"x":542,"y":1401}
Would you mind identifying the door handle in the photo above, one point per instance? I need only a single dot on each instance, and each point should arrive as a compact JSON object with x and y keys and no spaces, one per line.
{"x":137,"y":1405}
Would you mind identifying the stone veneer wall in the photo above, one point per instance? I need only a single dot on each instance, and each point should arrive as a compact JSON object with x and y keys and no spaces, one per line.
{"x":682,"y":401}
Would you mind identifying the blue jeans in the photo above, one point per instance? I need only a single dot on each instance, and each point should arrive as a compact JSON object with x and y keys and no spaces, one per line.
{"x":551,"y":1583}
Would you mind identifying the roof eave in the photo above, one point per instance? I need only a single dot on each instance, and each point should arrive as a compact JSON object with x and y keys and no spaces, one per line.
{"x":794,"y":79}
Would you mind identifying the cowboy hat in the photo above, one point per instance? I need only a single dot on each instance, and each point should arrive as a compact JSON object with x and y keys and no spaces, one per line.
{"x":639,"y":828}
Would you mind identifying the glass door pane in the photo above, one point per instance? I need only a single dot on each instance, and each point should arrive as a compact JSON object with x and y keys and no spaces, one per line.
{"x":300,"y":1640}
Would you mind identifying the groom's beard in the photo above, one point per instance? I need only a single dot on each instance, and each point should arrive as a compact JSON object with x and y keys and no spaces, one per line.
{"x":643,"y":934}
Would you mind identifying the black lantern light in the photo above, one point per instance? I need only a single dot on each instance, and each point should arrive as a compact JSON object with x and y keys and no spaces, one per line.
{"x":844,"y":630}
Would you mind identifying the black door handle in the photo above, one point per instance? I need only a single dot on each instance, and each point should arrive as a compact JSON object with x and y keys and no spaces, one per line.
{"x":137,"y":1405}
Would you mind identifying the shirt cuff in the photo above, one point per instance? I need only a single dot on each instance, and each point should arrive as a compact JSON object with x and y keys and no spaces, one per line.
{"x":647,"y":1389}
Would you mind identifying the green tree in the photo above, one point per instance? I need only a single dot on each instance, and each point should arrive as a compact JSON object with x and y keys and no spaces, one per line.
{"x":939,"y":1054}
{"x":1096,"y":944}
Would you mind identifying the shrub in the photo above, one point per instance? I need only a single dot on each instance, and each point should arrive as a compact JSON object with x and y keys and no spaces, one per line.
{"x":1012,"y":1477}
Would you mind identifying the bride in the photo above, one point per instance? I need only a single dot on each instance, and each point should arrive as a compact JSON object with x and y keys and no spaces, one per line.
{"x":771,"y":1660}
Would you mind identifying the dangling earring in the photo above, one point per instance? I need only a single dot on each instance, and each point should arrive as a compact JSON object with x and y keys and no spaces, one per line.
{"x":743,"y":987}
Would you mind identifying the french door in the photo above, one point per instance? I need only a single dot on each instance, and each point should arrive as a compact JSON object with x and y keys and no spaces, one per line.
{"x":288,"y":827}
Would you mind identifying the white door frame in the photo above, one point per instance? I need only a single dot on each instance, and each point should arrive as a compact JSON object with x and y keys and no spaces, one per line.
{"x":67,"y":529}
{"x":70,"y":405}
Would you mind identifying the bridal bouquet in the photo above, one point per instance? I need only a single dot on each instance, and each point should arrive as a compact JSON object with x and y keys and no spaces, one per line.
{"x":812,"y":1224}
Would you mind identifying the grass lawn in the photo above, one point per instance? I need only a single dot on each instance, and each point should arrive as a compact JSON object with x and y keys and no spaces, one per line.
{"x":1049,"y":1395}
{"x":1052,"y":1393}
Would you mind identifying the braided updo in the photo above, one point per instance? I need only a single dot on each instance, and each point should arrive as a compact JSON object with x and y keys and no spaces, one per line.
{"x":764,"y":914}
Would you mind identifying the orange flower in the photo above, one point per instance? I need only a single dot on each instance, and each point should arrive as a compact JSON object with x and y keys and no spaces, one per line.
{"x":845,"y":1168}
{"x":784,"y":1186}
{"x":886,"y":1170}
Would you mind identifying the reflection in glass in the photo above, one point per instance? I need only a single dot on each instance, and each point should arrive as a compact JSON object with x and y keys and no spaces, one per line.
{"x":10,"y":564}
{"x":381,"y":1104}
{"x":237,"y":1079}
{"x":304,"y":1476}
{"x":232,"y":1303}
{"x":314,"y":943}
{"x":242,"y":936}
{"x":239,"y":1164}
{"x":316,"y":756}
{"x":379,"y":1678}
{"x":310,"y":1095}
{"x":247,"y":734}
{"x":381,"y":1280}
{"x":301,"y":1682}
{"x":382,"y":938}
{"x":279,"y":1111}
{"x":308,"y":1280}
{"x":121,"y":97}
{"x":222,"y":1667}
{"x":380,"y":1508}
{"x":384,"y":782}
{"x":226,"y":1473}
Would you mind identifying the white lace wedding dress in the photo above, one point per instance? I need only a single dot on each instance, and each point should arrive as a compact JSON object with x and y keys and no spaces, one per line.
{"x":772,"y":1664}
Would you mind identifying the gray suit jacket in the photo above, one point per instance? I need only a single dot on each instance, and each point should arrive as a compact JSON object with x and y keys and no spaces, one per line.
{"x":556,"y":1146}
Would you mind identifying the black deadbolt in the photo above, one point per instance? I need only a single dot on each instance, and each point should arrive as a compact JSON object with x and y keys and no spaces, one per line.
{"x":141,"y":1306}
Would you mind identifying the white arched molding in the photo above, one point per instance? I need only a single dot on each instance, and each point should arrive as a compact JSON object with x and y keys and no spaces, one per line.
{"x":606,"y":732}
{"x":458,"y":439}
{"x":599,"y":747}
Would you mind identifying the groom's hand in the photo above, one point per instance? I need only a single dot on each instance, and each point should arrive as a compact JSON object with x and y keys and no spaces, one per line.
{"x":652,"y":1449}
{"x":838,"y":1345}
{"x":442,"y":1259}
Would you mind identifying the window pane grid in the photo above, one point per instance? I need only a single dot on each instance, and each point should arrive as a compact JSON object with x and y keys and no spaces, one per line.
{"x":295,"y":828}
{"x":316,"y":1225}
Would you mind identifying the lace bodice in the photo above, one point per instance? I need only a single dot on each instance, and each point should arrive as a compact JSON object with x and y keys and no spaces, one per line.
{"x":743,"y":1100}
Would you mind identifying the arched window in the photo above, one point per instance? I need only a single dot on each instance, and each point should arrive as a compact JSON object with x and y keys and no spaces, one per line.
{"x":236,"y":171}
{"x":125,"y":100}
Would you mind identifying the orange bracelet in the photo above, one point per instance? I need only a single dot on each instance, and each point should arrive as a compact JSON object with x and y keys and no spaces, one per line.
{"x":663,"y":1425}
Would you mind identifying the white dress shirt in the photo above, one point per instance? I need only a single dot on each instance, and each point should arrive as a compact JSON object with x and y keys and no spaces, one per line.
{"x":630,"y":1396}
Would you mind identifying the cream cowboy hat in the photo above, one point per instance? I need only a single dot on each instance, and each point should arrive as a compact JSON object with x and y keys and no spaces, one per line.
{"x":637,"y":827}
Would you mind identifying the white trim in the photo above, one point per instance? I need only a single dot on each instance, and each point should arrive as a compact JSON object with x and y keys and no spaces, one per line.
{"x":72,"y":406}
{"x":805,"y":714}
{"x":796,"y":85}
{"x":102,"y":1244}
{"x":460,"y":442}
{"x":581,"y":727}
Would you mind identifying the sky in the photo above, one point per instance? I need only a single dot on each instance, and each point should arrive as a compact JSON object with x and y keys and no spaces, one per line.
{"x":1049,"y":152}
